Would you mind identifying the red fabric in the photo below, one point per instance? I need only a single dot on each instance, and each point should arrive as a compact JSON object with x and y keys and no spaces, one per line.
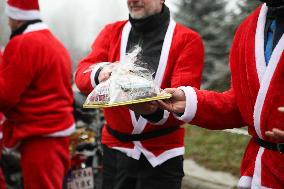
{"x":44,"y":162}
{"x":184,"y":67}
{"x":24,"y":4}
{"x":35,"y":82}
{"x":234,"y":108}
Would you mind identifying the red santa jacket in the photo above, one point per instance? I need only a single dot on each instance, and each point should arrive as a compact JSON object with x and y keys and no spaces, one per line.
{"x":35,"y":83}
{"x":255,"y":95}
{"x":181,"y":63}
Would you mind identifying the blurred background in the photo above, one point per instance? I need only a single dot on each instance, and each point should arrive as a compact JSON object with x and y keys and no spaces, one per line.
{"x":76,"y":23}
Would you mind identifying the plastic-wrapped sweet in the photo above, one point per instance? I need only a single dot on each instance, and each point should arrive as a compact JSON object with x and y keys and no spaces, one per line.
{"x":130,"y":80}
{"x":100,"y":94}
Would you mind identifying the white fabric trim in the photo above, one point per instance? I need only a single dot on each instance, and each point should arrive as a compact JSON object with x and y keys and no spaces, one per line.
{"x":266,"y":78}
{"x":36,"y":27}
{"x":1,"y":135}
{"x":94,"y":71}
{"x":158,"y":160}
{"x":256,"y":180}
{"x":245,"y":182}
{"x":163,"y":120}
{"x":124,"y":39}
{"x":259,"y":43}
{"x":64,"y":133}
{"x":190,"y":105}
{"x":165,"y":53}
{"x":20,"y":14}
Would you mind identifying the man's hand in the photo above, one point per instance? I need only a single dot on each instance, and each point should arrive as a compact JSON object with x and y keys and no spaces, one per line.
{"x":145,"y":108}
{"x":105,"y":73}
{"x":281,"y":109}
{"x":176,"y":103}
{"x":277,"y":134}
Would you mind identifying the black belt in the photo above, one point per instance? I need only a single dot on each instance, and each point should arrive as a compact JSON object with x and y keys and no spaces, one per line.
{"x":271,"y":146}
{"x":140,"y":137}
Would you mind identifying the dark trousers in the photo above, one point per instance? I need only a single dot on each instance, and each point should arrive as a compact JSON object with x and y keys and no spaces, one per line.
{"x":123,"y":172}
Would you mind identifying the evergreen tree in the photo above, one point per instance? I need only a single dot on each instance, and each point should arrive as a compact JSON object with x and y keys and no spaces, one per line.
{"x":207,"y":17}
{"x":216,"y":27}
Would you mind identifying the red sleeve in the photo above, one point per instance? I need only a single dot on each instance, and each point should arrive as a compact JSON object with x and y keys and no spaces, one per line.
{"x":100,"y":49}
{"x":189,"y":63}
{"x":16,"y":74}
{"x":217,"y":111}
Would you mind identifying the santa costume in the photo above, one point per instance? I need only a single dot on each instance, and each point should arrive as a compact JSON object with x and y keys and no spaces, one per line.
{"x":36,"y":97}
{"x":256,"y":92}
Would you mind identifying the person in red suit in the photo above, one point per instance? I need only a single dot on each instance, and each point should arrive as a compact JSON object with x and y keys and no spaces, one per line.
{"x":144,"y":150}
{"x":36,"y":97}
{"x":255,"y":98}
{"x":2,"y":119}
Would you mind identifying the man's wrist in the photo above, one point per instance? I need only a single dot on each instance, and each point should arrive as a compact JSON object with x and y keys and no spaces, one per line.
{"x":97,"y":75}
{"x":155,"y":116}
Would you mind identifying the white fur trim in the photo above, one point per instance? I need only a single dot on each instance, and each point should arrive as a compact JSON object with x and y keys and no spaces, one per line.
{"x":36,"y":27}
{"x":20,"y":14}
{"x":163,"y":120}
{"x":94,"y":71}
{"x":1,"y":135}
{"x":245,"y":182}
{"x":256,"y":180}
{"x":158,"y":160}
{"x":64,"y":133}
{"x":266,"y":79}
{"x":190,"y":105}
{"x":124,"y":39}
{"x":259,"y":43}
{"x":165,"y":53}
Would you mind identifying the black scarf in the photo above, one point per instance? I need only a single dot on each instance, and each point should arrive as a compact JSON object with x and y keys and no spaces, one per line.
{"x":273,"y":3}
{"x":152,"y":22}
{"x":23,"y":27}
{"x":275,"y":12}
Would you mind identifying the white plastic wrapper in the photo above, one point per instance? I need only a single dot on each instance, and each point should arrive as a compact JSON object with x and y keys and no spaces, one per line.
{"x":130,"y":80}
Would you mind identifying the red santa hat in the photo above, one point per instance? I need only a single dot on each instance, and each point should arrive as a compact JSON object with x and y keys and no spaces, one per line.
{"x":23,"y":9}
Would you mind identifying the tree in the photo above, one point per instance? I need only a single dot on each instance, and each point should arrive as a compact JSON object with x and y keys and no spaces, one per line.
{"x":216,"y":26}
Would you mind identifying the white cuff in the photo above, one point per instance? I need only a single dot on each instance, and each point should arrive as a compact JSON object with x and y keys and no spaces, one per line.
{"x":163,"y":120}
{"x":94,"y":71}
{"x":190,"y":105}
{"x":245,"y":182}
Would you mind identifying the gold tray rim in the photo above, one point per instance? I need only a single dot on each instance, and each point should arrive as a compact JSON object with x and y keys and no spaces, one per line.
{"x":159,"y":97}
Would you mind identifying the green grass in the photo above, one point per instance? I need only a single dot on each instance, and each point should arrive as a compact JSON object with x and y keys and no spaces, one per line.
{"x":216,"y":150}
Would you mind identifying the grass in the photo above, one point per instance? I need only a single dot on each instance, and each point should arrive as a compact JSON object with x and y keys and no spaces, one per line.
{"x":216,"y":150}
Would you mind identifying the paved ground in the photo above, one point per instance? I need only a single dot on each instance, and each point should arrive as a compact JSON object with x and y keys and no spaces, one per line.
{"x":197,"y":177}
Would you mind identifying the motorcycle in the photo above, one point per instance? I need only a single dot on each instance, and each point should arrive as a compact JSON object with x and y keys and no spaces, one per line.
{"x":86,"y":148}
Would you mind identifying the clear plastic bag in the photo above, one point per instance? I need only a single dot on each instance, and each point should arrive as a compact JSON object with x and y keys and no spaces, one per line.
{"x":130,"y":80}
